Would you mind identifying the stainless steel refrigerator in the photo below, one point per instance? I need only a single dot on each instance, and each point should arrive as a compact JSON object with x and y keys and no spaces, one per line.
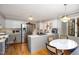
{"x":26,"y":29}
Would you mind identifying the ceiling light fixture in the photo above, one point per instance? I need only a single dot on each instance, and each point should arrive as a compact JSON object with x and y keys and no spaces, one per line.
{"x":65,"y":18}
{"x":30,"y":18}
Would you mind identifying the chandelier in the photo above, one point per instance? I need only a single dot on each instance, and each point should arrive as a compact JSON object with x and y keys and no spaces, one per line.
{"x":65,"y":18}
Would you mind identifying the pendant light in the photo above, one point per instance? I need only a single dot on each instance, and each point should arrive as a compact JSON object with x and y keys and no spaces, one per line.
{"x":65,"y":18}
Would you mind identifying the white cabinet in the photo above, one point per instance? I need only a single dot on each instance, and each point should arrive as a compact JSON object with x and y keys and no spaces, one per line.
{"x":37,"y":42}
{"x":2,"y":48}
{"x":12,"y":38}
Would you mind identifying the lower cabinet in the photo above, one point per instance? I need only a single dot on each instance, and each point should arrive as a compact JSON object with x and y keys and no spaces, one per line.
{"x":37,"y":43}
{"x":2,"y":48}
{"x":11,"y":38}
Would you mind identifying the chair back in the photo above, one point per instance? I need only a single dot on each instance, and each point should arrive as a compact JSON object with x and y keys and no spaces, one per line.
{"x":63,"y":37}
{"x":51,"y":49}
{"x":52,"y":37}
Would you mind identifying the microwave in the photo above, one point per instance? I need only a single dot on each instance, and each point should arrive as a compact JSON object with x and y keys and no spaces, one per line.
{"x":54,"y":30}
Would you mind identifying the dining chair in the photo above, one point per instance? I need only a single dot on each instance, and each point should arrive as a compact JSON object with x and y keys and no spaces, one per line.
{"x":50,"y":38}
{"x":53,"y":50}
{"x":63,"y":37}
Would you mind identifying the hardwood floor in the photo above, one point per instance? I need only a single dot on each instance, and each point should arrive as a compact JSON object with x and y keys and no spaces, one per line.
{"x":40,"y":52}
{"x":22,"y":49}
{"x":17,"y":49}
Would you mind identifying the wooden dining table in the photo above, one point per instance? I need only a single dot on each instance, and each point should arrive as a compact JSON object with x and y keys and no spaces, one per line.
{"x":64,"y":44}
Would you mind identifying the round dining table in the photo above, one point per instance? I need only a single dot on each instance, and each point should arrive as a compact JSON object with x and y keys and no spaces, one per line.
{"x":63,"y":44}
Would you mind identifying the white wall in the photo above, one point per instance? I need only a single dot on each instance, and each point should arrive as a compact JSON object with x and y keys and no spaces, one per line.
{"x":54,"y":24}
{"x":13,"y":23}
{"x":9,"y":23}
{"x":2,"y":22}
{"x":64,"y":28}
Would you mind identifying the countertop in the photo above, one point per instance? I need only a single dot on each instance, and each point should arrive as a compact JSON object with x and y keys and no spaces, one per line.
{"x":36,"y":35}
{"x":47,"y":34}
{"x":3,"y":37}
{"x":51,"y":33}
{"x":2,"y":40}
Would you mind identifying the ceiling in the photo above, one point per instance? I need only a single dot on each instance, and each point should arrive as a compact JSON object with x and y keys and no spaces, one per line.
{"x":40,"y":12}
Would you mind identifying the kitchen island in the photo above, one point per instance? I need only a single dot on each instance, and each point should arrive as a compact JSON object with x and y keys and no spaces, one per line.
{"x":37,"y":42}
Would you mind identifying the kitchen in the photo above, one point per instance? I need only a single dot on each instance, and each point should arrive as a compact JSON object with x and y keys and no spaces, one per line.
{"x":28,"y":30}
{"x":14,"y":28}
